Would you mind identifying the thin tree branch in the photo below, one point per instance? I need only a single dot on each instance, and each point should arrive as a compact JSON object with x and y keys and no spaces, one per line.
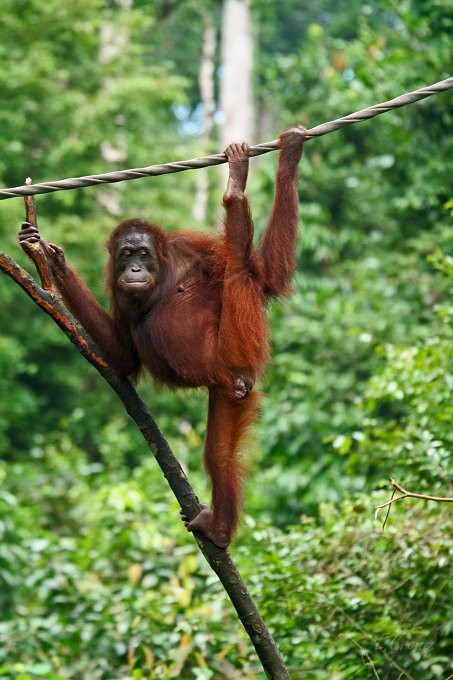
{"x":387,"y":514}
{"x":408,"y":494}
{"x":34,"y":250}
{"x":219,"y":559}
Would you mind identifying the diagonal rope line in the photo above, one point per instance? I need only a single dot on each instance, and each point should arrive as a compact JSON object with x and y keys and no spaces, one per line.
{"x":218,"y":159}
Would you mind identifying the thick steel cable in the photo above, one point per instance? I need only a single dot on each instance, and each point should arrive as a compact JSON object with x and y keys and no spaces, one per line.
{"x":218,"y":159}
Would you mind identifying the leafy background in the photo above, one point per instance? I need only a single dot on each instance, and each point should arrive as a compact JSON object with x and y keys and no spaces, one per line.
{"x":97,"y":577}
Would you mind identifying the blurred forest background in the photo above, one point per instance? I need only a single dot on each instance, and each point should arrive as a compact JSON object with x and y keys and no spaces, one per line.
{"x":98,"y":578}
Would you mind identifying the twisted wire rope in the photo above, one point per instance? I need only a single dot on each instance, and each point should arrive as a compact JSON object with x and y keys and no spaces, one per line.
{"x":218,"y":159}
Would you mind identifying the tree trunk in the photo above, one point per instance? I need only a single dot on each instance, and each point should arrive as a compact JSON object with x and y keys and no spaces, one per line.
{"x":113,"y":40}
{"x":236,"y":75}
{"x":206,"y":85}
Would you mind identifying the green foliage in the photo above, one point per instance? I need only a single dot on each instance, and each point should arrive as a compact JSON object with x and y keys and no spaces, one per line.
{"x":356,"y":599}
{"x":408,"y":407}
{"x":98,"y":579}
{"x":111,"y":586}
{"x":114,"y":588}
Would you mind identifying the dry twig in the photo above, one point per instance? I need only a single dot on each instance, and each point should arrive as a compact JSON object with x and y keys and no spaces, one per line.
{"x":407,"y":494}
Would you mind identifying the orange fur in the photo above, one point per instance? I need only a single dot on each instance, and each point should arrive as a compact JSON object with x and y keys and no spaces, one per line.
{"x":203,"y":324}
